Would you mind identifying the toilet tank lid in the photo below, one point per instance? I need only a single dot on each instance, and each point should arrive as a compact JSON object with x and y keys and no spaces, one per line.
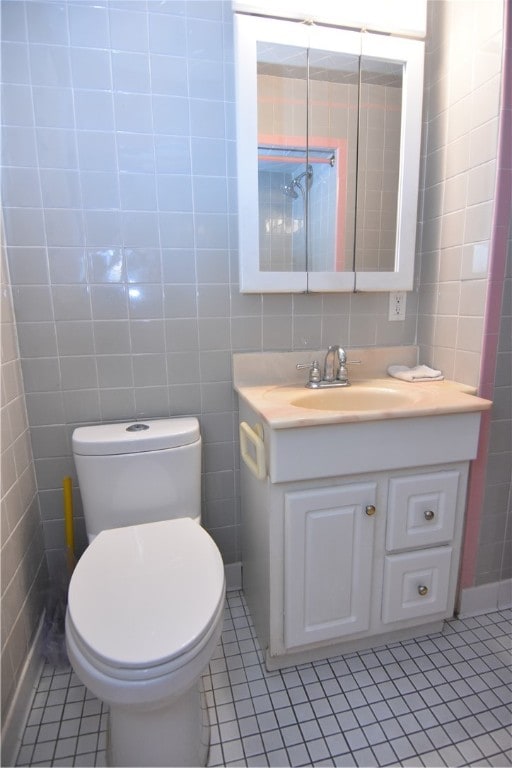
{"x":135,"y":437}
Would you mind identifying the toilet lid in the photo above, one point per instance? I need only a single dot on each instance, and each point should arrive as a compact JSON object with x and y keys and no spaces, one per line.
{"x":144,"y":594}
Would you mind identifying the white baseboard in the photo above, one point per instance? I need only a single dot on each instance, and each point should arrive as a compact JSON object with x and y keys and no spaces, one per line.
{"x":233,"y":573}
{"x":486,"y":598}
{"x":13,"y":722}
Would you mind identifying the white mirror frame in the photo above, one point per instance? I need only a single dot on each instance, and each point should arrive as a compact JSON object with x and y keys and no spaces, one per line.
{"x":248,"y":31}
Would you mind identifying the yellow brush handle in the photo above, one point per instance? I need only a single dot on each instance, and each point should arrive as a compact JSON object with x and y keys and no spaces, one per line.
{"x":67,"y":486}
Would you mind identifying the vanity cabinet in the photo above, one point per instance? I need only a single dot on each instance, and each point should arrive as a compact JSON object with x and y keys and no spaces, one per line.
{"x":329,"y":542}
{"x":337,"y":563}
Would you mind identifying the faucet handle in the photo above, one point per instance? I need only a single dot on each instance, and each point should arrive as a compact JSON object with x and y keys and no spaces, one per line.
{"x":343,"y":373}
{"x":315,"y":375}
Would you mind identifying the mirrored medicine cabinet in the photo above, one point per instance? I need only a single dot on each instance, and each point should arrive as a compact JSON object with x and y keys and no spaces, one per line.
{"x":328,"y":148}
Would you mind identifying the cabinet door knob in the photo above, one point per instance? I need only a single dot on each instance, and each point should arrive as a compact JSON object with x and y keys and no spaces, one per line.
{"x":370,"y":510}
{"x":429,"y":515}
{"x":422,"y":590}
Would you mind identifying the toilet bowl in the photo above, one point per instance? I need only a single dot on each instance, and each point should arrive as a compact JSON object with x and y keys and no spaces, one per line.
{"x":145,"y":613}
{"x":146,"y":599}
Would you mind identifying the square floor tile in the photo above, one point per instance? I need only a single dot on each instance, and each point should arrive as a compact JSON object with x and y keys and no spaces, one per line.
{"x":438,"y":700}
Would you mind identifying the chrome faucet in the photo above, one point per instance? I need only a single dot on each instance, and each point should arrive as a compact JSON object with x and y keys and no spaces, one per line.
{"x":335,"y":366}
{"x":335,"y":369}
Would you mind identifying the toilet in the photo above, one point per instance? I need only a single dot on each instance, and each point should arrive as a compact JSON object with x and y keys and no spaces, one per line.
{"x":146,"y":599}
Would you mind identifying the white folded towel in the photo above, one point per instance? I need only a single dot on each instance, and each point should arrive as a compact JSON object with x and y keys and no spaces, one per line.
{"x":418,"y":373}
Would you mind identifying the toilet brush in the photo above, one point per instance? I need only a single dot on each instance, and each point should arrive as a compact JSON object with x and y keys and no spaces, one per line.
{"x":67,"y":487}
{"x":53,"y":636}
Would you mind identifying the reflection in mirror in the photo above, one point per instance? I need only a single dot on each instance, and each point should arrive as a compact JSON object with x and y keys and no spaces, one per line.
{"x":307,"y":158}
{"x":282,"y":157}
{"x":380,"y":113}
{"x":290,"y":180}
{"x":332,"y":121}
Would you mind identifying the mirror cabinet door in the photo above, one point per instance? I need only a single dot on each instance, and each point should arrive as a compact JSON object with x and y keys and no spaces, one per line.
{"x":332,"y":141}
{"x":284,"y":169}
{"x":334,"y":57}
{"x":271,"y":79}
{"x":380,"y":109}
{"x":390,"y":114}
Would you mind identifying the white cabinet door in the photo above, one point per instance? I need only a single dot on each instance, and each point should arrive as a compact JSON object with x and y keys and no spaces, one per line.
{"x":328,"y":552}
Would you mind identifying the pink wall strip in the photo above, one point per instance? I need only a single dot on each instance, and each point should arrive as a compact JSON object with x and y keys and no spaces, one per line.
{"x":498,"y":257}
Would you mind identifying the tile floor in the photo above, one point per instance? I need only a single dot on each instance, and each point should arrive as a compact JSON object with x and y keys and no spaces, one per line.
{"x":440,"y":700}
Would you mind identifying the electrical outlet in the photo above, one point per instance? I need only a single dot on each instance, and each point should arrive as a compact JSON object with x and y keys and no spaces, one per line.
{"x":397,"y":305}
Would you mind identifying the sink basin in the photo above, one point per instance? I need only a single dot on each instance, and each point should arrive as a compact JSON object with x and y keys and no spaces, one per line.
{"x":354,"y":398}
{"x":293,"y":405}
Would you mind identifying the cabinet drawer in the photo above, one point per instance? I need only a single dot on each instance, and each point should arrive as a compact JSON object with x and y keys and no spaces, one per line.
{"x":416,"y":584}
{"x":421,"y":510}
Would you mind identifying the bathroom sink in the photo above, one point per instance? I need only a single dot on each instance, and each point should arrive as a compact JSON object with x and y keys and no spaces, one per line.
{"x":363,"y":397}
{"x":354,"y":398}
{"x":380,"y":398}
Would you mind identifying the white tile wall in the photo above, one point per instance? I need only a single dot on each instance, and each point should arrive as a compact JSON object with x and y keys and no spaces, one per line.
{"x":460,"y":130}
{"x":120,"y":210}
{"x":23,"y":576}
{"x":460,"y":174}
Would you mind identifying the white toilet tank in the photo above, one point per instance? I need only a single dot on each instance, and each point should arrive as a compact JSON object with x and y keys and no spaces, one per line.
{"x":131,"y":473}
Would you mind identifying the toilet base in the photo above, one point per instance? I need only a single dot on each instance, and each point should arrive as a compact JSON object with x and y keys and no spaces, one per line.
{"x":174,"y":735}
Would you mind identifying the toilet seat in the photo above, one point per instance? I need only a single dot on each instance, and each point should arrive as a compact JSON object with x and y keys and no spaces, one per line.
{"x":130,"y":585}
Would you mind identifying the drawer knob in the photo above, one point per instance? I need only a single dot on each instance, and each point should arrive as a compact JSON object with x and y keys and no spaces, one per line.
{"x":429,"y":515}
{"x":370,"y":510}
{"x":422,"y":590}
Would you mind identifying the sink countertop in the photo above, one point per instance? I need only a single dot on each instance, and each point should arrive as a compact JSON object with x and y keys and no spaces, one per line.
{"x":426,"y":399}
